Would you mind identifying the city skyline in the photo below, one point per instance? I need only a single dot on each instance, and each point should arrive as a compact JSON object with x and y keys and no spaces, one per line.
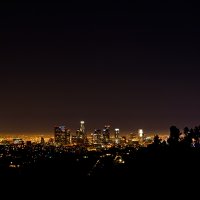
{"x":91,"y":129}
{"x":129,"y":65}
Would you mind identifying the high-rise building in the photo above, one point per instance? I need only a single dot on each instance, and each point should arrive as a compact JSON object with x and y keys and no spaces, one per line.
{"x":81,"y":133}
{"x":78,"y":133}
{"x":68,"y":136}
{"x":140,"y":133}
{"x":116,"y":133}
{"x":74,"y":139}
{"x":97,"y":136}
{"x":117,"y":139}
{"x":106,"y":134}
{"x":82,"y":127}
{"x":62,"y":135}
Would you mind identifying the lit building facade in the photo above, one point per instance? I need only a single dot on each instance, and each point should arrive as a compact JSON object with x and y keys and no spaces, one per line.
{"x":116,"y":133}
{"x":97,"y":136}
{"x":62,"y":135}
{"x":117,"y":139}
{"x":81,"y":133}
{"x":106,"y":134}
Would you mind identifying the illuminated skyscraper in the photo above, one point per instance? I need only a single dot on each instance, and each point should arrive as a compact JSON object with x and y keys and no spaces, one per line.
{"x":97,"y":136}
{"x":62,"y":135}
{"x":82,"y":127}
{"x":117,"y":139}
{"x":78,"y":133}
{"x":106,"y":133}
{"x":140,"y":133}
{"x":81,"y":133}
{"x":116,"y":133}
{"x":68,"y":136}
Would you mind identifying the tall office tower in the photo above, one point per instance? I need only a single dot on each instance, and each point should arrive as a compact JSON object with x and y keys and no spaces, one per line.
{"x":117,"y":139}
{"x":116,"y":133}
{"x":81,"y":133}
{"x":78,"y":133}
{"x":82,"y":127}
{"x":106,"y":133}
{"x":60,"y":134}
{"x":68,"y":136}
{"x":140,"y":133}
{"x":97,"y":136}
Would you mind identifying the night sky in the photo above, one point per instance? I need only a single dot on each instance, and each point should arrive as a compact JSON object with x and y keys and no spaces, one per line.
{"x":128,"y":65}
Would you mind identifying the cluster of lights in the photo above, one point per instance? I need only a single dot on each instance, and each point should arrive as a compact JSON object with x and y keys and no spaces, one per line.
{"x":141,"y":132}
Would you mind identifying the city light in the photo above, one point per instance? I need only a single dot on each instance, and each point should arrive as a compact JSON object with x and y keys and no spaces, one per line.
{"x":140,"y":132}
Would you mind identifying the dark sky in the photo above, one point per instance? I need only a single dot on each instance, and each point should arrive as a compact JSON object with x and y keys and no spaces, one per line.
{"x":130,"y":65}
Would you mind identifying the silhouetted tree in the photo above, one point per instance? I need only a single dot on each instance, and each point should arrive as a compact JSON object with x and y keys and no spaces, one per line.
{"x":187,"y":141}
{"x":192,"y":132}
{"x":196,"y":134}
{"x":174,"y":136}
{"x":164,"y":143}
{"x":186,"y":131}
{"x":156,"y":140}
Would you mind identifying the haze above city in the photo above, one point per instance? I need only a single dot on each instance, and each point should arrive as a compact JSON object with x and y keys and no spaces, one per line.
{"x":131,"y":66}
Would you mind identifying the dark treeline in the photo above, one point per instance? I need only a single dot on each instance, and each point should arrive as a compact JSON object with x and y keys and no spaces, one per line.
{"x":176,"y":158}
